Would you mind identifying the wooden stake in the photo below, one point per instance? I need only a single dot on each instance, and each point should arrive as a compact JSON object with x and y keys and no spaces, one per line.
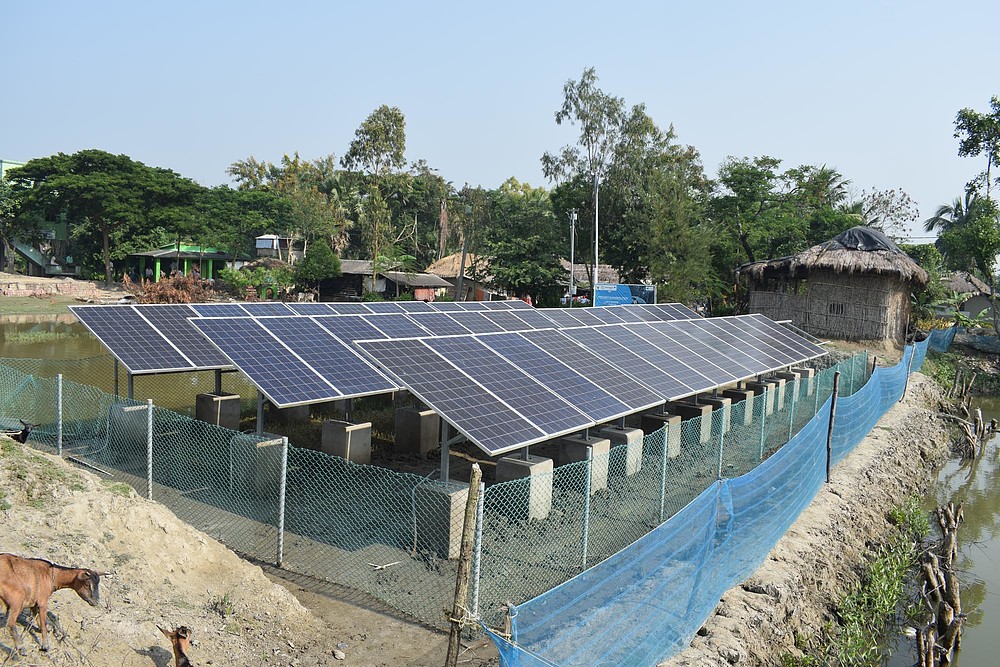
{"x":829,"y":432}
{"x":464,"y":567}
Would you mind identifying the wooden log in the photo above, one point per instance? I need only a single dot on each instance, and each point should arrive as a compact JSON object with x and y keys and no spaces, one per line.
{"x":458,"y":614}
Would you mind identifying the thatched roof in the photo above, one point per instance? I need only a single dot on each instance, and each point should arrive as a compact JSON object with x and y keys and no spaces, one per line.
{"x":447,"y":267}
{"x":963,"y":282}
{"x":858,"y":250}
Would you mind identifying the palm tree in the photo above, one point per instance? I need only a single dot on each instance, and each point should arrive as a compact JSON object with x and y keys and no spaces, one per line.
{"x":957,"y":214}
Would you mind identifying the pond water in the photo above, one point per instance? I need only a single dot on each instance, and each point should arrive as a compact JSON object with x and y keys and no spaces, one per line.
{"x":46,"y":345}
{"x":977,"y":487}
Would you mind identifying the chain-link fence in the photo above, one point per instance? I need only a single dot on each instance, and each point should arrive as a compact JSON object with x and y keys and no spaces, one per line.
{"x":391,"y":535}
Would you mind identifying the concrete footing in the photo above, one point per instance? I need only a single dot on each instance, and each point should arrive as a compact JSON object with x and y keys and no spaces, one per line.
{"x":632,"y":439}
{"x":294,"y":415}
{"x":440,"y":512}
{"x":346,"y":440}
{"x":779,"y":392}
{"x":654,"y":421}
{"x":219,"y":409}
{"x":692,"y":410}
{"x":808,"y":380}
{"x":417,"y":431}
{"x":536,"y":502}
{"x":723,"y":403}
{"x":792,"y":388}
{"x":744,"y":396}
{"x":574,"y":449}
{"x":765,"y":387}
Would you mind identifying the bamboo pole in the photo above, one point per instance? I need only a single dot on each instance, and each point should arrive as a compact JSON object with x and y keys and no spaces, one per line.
{"x":464,"y":567}
{"x":829,"y":432}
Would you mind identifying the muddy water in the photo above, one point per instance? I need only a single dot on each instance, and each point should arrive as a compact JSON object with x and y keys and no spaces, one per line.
{"x":977,"y":486}
{"x":63,"y":345}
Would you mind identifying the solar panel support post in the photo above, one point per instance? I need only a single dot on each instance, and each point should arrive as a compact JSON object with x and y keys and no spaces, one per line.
{"x":218,"y":382}
{"x":763,"y":418}
{"x":260,"y":412}
{"x":445,"y":451}
{"x":149,"y":449}
{"x":586,"y":506}
{"x":663,"y":472}
{"x":525,"y":454}
{"x":131,"y":386}
{"x":59,"y":414}
{"x":791,"y":408}
{"x":722,"y":434}
{"x":116,"y":379}
{"x":829,"y":431}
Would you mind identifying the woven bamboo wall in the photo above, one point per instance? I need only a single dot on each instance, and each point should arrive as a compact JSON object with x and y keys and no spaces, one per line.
{"x":838,"y":305}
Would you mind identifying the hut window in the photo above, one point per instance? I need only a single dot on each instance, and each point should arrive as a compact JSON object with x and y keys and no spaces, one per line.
{"x":836,"y":308}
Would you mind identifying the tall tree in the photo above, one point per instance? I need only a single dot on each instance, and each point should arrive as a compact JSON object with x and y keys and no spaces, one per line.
{"x":601,"y":118}
{"x":979,"y":134}
{"x":378,"y":149}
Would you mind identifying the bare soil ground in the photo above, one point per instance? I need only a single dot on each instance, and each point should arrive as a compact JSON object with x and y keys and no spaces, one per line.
{"x":170,"y":574}
{"x":789,"y":598}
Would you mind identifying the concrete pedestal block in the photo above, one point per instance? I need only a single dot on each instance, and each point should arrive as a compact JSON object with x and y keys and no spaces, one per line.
{"x":295,"y":415}
{"x":219,"y":409}
{"x":417,"y":431}
{"x":723,"y":403}
{"x":632,"y":439}
{"x":348,"y":441}
{"x":691,"y":411}
{"x":742,"y":402}
{"x":654,"y":421}
{"x":574,"y":449}
{"x":808,"y":380}
{"x":255,"y":464}
{"x":792,"y":388}
{"x":765,"y":387}
{"x":537,"y":500}
{"x":779,"y":392}
{"x":440,"y":512}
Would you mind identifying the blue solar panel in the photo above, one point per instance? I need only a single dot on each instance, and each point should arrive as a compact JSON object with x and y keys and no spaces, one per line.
{"x":532,"y":400}
{"x":171,"y":320}
{"x":587,"y":317}
{"x":631,"y":362}
{"x":694,"y":347}
{"x":396,"y":326}
{"x":310,"y":308}
{"x":607,"y":315}
{"x":561,"y":317}
{"x":335,"y":361}
{"x":219,"y":309}
{"x":780,"y":335}
{"x":676,"y":311}
{"x":704,"y":373}
{"x":280,"y":375}
{"x":597,"y":370}
{"x":384,"y":307}
{"x":731,"y":342}
{"x":352,"y":308}
{"x":349,"y":328}
{"x":502,"y":305}
{"x":265,"y":309}
{"x":673,"y":366}
{"x":447,"y":306}
{"x":439,"y":324}
{"x":506,"y":320}
{"x":131,"y":339}
{"x":416,"y":306}
{"x":476,"y":322}
{"x":644,"y":313}
{"x":624,"y":313}
{"x":466,"y":405}
{"x":516,"y":304}
{"x":534,"y":319}
{"x":559,"y":377}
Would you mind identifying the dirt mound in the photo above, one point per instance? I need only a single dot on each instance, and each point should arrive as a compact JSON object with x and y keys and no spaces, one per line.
{"x":789,"y":598}
{"x":166,"y":573}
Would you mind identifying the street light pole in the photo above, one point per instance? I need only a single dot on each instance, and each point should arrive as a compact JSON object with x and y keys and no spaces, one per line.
{"x":593,"y":284}
{"x":572,"y":248}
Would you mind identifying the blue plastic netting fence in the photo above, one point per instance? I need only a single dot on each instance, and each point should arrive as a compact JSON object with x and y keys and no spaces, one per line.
{"x":646,"y":602}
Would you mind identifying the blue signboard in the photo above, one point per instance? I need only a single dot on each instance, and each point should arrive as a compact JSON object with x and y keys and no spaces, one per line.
{"x":608,"y":294}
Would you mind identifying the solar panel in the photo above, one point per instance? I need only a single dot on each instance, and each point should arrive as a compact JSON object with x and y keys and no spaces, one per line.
{"x":643,"y":313}
{"x":439,"y":324}
{"x":396,"y":326}
{"x":383,"y":307}
{"x":562,"y":318}
{"x":265,"y":309}
{"x":506,"y":304}
{"x":560,"y":378}
{"x":476,"y":413}
{"x":673,"y":365}
{"x":534,"y":319}
{"x":506,"y":320}
{"x":788,"y":338}
{"x":447,"y":306}
{"x":283,"y":377}
{"x":515,"y":304}
{"x":694,"y":346}
{"x":131,"y":339}
{"x":586,"y":317}
{"x":310,"y":309}
{"x":349,"y":328}
{"x":219,"y":309}
{"x":624,"y":313}
{"x":476,"y":322}
{"x":352,"y":308}
{"x":704,"y":372}
{"x":549,"y":412}
{"x":732,"y":342}
{"x":171,"y":320}
{"x":416,"y":306}
{"x":597,"y":370}
{"x":677,"y":311}
{"x":335,"y":361}
{"x":608,"y":315}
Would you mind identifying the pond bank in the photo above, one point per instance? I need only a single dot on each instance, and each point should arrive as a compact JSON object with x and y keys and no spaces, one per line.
{"x":781,"y":609}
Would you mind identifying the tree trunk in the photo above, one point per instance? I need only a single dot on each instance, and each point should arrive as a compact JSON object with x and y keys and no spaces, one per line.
{"x":106,"y":239}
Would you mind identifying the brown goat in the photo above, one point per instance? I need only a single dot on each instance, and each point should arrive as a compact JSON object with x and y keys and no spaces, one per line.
{"x":180,"y":640}
{"x":28,"y":583}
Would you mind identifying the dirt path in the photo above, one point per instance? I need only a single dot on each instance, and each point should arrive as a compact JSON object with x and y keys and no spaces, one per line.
{"x":789,"y":598}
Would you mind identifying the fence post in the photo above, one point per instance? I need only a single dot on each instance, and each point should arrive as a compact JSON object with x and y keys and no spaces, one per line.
{"x":763,"y":418}
{"x":829,"y":431}
{"x":722,"y":434}
{"x":149,"y":448}
{"x":59,"y":413}
{"x":791,"y":408}
{"x":909,"y":364}
{"x":477,"y":557}
{"x":281,"y":502}
{"x":663,"y":473}
{"x":458,"y":611}
{"x":586,"y":505}
{"x":854,"y":387}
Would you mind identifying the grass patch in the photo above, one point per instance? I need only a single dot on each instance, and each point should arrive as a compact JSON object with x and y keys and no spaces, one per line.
{"x":117,"y":488}
{"x":29,"y":337}
{"x":877,"y":603}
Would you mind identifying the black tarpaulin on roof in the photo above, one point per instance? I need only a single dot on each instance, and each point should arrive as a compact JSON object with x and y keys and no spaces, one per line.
{"x":862,"y":238}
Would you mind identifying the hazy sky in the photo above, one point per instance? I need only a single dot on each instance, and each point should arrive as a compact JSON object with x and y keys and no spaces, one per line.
{"x":870,"y":88}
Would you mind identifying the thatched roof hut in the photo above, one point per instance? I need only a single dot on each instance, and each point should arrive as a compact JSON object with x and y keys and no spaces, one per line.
{"x":855,"y":286}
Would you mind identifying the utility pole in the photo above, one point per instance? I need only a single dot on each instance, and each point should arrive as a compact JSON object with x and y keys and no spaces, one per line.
{"x":593,"y":284}
{"x":572,"y":248}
